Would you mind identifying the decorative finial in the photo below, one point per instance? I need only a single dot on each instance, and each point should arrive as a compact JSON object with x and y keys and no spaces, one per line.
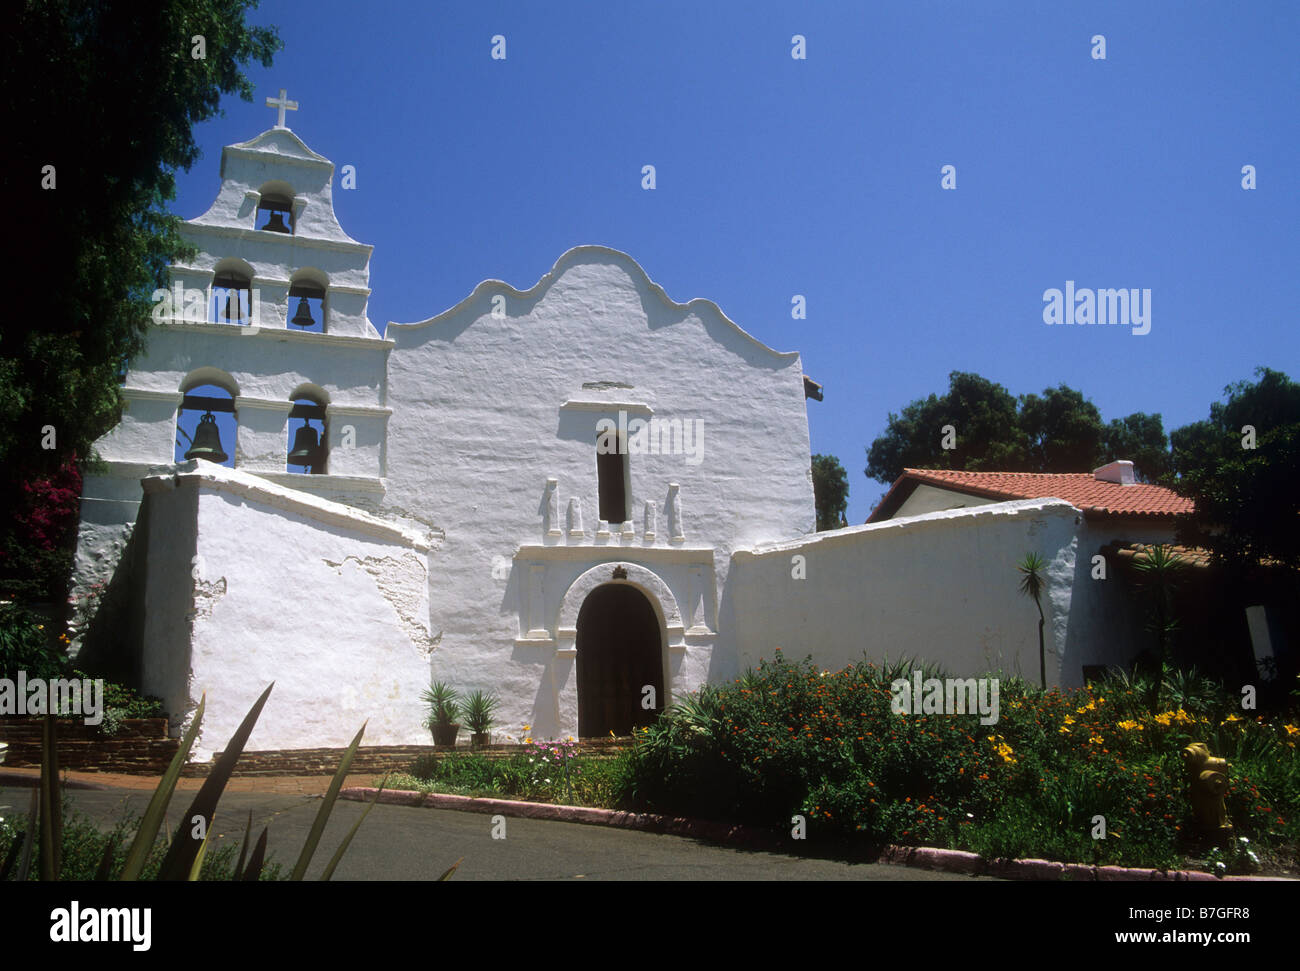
{"x":284,"y":104}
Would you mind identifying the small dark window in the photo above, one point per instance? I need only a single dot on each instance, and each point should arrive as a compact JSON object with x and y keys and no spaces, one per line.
{"x":611,"y":469}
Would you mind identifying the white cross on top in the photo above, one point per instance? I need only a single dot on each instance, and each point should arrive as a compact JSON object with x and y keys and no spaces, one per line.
{"x":284,"y":104}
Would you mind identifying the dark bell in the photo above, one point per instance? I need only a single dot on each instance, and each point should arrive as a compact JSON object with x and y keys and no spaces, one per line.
{"x":207,"y":441}
{"x":303,"y":317}
{"x":276,"y":223}
{"x":306,"y":447}
{"x":234,"y":312}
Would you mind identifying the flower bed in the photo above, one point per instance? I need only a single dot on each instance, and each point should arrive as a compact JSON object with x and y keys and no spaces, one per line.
{"x":1085,"y":776}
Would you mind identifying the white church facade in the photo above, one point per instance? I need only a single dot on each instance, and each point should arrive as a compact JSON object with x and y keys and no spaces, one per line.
{"x":584,"y":496}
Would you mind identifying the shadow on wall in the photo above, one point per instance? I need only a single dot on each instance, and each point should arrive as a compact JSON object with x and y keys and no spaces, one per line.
{"x":112,"y":645}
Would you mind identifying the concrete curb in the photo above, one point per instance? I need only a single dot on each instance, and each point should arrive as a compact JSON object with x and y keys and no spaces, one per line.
{"x":928,"y":857}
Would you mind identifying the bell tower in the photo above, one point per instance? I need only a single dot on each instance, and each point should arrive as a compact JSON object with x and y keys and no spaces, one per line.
{"x":262,"y":339}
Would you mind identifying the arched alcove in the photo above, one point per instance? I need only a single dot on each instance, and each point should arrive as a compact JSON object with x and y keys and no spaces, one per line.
{"x":231,"y":297}
{"x":275,"y":208}
{"x":206,"y":419}
{"x":309,"y":301}
{"x":308,"y":431}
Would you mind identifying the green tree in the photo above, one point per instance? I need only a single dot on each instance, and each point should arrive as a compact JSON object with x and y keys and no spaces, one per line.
{"x":1063,"y":431}
{"x":1057,"y":431}
{"x":1240,"y":466}
{"x":983,"y":419}
{"x":1140,"y":438}
{"x":831,"y":490}
{"x":100,"y":99}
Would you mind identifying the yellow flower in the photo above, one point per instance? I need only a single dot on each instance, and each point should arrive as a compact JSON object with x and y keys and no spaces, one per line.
{"x":1292,"y":729}
{"x":1090,"y":706}
{"x":1063,"y":731}
{"x":1069,"y":720}
{"x":1096,"y":739}
{"x":1130,"y":724}
{"x":1164,"y":718}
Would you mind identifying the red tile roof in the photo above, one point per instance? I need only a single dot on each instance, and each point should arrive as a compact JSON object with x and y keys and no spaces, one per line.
{"x":1081,"y":489}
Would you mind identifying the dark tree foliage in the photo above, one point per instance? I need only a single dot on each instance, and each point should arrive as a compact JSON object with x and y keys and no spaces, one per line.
{"x":99,"y":100}
{"x":1141,"y":438}
{"x":1062,"y":429}
{"x":1247,"y":503}
{"x":983,"y":417}
{"x":831,"y":490}
{"x":1057,"y":431}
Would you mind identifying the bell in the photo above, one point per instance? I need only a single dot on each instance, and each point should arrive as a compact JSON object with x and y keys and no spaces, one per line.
{"x":207,"y":441}
{"x":276,"y":223}
{"x":234,"y":312}
{"x":303,"y":317}
{"x":306,"y":446}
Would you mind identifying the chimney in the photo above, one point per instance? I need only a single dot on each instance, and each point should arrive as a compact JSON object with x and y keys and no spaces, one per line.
{"x":1119,"y":472}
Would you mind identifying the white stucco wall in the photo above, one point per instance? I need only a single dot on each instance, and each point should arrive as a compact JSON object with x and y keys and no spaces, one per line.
{"x":487,"y":409}
{"x":941,"y":587}
{"x":329,"y":603}
{"x":927,"y":498}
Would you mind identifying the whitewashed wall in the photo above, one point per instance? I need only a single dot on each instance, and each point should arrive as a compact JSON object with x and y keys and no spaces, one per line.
{"x":941,"y":587}
{"x":250,"y":583}
{"x":487,"y":408}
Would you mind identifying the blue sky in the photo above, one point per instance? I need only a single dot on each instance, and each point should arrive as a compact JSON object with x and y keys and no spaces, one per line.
{"x":821,"y":177}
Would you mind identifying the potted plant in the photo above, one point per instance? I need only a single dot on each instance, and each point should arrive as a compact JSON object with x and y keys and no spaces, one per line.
{"x":479,"y":711}
{"x":444,"y":709}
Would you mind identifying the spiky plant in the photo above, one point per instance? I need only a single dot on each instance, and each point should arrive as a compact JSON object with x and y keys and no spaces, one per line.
{"x":1032,"y":568}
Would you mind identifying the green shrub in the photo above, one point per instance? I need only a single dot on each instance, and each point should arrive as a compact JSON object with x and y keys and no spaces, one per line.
{"x":25,"y":645}
{"x":790,"y":740}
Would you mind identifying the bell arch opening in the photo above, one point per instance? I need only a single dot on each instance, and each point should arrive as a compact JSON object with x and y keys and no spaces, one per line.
{"x":206,"y":420}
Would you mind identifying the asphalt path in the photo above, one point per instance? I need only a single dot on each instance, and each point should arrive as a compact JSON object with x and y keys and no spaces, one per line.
{"x":406,"y":843}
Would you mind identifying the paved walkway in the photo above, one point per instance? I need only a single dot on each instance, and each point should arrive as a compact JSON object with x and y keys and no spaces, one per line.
{"x":300,"y":784}
{"x":405,"y":843}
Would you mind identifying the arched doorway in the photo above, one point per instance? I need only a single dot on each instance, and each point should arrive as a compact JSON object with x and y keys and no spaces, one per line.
{"x":620,"y":652}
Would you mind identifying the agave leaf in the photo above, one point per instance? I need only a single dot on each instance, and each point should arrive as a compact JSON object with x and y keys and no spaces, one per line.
{"x":326,"y":806}
{"x":105,"y":870}
{"x":29,"y":838}
{"x":347,"y":840}
{"x":51,"y":804}
{"x":243,"y":849}
{"x":176,"y":865}
{"x":197,"y":866}
{"x":255,"y":861}
{"x":446,"y":875}
{"x":154,"y":815}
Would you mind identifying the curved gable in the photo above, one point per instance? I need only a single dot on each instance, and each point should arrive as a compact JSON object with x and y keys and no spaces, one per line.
{"x":656,"y":298}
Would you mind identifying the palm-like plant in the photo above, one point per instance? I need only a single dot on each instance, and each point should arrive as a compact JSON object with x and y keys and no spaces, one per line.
{"x":444,"y":705}
{"x":1032,"y":568}
{"x":480,"y":710}
{"x":1159,"y":571}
